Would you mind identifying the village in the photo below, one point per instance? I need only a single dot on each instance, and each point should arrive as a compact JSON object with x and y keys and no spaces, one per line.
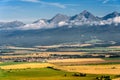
{"x":44,"y":56}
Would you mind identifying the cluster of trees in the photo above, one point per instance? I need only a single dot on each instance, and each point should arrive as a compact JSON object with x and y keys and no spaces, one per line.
{"x":103,"y":78}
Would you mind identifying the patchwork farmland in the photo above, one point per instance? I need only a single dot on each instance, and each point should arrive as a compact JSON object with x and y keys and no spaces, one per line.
{"x":86,"y":64}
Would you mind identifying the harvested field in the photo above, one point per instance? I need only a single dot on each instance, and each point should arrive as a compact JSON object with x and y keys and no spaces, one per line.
{"x":27,"y":65}
{"x":114,"y":47}
{"x":87,"y":63}
{"x":94,"y":69}
{"x":82,"y":61}
{"x":75,"y":60}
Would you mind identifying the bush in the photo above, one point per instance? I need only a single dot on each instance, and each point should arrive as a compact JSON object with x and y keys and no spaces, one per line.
{"x":53,"y":68}
{"x":79,"y":74}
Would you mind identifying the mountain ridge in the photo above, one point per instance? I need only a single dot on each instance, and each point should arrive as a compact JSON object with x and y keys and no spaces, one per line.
{"x":59,"y":20}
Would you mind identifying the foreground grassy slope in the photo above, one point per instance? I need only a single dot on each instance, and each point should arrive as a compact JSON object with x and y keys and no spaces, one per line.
{"x":41,"y":74}
{"x":39,"y":71}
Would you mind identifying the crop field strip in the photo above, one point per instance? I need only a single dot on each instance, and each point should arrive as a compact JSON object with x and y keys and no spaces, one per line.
{"x":84,"y":61}
{"x":94,"y":69}
{"x":26,"y":65}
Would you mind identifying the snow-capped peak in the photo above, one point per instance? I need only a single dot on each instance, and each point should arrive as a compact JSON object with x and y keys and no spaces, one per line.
{"x":85,"y":15}
{"x":39,"y":24}
{"x":10,"y":25}
{"x":111,"y":15}
{"x":60,"y":20}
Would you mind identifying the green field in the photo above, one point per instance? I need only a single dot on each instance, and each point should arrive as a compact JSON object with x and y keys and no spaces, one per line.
{"x":42,"y":74}
{"x":118,"y":58}
{"x":14,"y":63}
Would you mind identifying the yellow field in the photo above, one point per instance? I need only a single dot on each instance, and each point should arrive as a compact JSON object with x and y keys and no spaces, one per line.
{"x":94,"y":69}
{"x":75,"y":60}
{"x":27,"y":65}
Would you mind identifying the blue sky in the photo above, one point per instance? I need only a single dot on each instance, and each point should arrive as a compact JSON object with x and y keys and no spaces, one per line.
{"x":31,"y":10}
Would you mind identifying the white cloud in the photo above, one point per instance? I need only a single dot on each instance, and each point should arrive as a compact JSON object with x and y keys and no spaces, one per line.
{"x":30,"y":0}
{"x":116,"y":19}
{"x":105,"y":1}
{"x":46,"y":3}
{"x":39,"y":25}
{"x":62,"y":23}
{"x":53,"y":4}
